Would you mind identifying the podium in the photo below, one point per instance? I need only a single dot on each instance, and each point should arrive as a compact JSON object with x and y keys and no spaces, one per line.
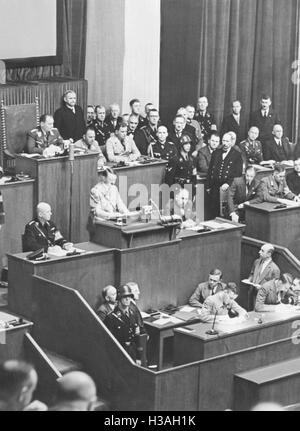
{"x":277,"y":226}
{"x":109,"y":234}
{"x":53,"y":185}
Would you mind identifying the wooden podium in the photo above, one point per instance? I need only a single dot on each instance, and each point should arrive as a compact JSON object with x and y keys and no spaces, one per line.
{"x":109,"y":234}
{"x":54,"y":183}
{"x":277,"y":226}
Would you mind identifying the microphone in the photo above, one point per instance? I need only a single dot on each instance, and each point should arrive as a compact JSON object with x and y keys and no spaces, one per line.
{"x":156,"y":207}
{"x":213,"y":331}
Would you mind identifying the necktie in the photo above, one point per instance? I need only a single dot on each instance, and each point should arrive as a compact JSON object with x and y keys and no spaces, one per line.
{"x":279,"y":143}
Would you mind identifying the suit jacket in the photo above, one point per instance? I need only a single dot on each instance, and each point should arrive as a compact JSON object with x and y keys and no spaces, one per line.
{"x":143,"y":138}
{"x":270,"y":272}
{"x":267,"y":295}
{"x":270,"y":191}
{"x":293,"y":182}
{"x":224,"y":171}
{"x":104,"y":310}
{"x":265,"y":124}
{"x":238,"y":194}
{"x":202,"y":292}
{"x":70,"y":125}
{"x":203,"y":159}
{"x":229,"y":124}
{"x":272,"y":151}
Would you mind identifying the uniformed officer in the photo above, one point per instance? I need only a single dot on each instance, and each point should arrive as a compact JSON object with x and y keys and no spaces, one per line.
{"x":205,"y":119}
{"x":185,"y":171}
{"x":147,"y":135}
{"x":100,"y":125}
{"x":42,"y":232}
{"x":44,"y":136}
{"x":125,"y":323}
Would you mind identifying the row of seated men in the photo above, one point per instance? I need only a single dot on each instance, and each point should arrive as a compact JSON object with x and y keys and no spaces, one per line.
{"x":75,"y":391}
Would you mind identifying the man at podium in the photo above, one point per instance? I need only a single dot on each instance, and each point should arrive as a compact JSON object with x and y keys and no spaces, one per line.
{"x":105,"y":199}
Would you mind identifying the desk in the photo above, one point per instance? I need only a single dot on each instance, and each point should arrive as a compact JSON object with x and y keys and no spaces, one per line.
{"x":197,"y":345}
{"x":53,"y":185}
{"x":278,"y":226}
{"x":18,"y":206}
{"x":159,"y":333}
{"x":135,"y":234}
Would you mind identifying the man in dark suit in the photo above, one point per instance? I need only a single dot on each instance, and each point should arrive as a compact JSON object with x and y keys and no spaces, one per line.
{"x":242,"y":190}
{"x":278,"y":148}
{"x":147,"y":134}
{"x":225,"y":165}
{"x":293,"y":179}
{"x":179,"y":129}
{"x":265,"y":119}
{"x":109,"y":295}
{"x":205,"y":153}
{"x":235,"y":122}
{"x":69,"y":119}
{"x":113,"y":118}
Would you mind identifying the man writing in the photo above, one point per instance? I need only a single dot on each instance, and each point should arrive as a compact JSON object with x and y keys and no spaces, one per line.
{"x":274,"y":188}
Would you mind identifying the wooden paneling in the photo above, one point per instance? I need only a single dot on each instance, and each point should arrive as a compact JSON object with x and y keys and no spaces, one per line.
{"x":65,"y":324}
{"x":53,"y":185}
{"x":18,"y":206}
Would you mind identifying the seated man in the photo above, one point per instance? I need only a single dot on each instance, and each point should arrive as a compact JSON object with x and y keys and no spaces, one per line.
{"x":242,"y":190}
{"x":90,"y":115}
{"x":292,"y":295}
{"x":221,"y":304}
{"x":251,"y":148}
{"x":113,"y":118}
{"x":182,"y":206}
{"x":293,"y":178}
{"x":45,"y":136}
{"x":125,"y":324}
{"x":120,"y":147}
{"x":105,"y":199}
{"x":205,"y":153}
{"x":264,"y":269}
{"x":18,"y":381}
{"x":89,"y":143}
{"x":278,"y":148}
{"x":42,"y":232}
{"x":135,"y":290}
{"x":274,"y":188}
{"x":109,"y":294}
{"x":208,"y":288}
{"x":272,"y":292}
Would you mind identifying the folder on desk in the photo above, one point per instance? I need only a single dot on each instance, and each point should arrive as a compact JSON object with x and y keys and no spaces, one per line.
{"x":185,"y":316}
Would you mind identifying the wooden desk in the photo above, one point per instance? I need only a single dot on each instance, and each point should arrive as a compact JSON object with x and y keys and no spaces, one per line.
{"x":18,"y":206}
{"x":135,"y":234}
{"x":197,"y":345}
{"x":160,"y":333}
{"x":53,"y":185}
{"x":278,"y":226}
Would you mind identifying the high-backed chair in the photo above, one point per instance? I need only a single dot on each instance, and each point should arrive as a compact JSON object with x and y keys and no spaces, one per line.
{"x":16,"y":122}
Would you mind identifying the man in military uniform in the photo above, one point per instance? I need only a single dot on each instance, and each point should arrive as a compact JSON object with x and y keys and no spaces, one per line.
{"x":164,"y":150}
{"x":274,"y":188}
{"x":125,"y":323}
{"x":44,"y":136}
{"x":205,"y":119}
{"x":146,"y":136}
{"x":225,"y":165}
{"x":184,"y":165}
{"x":251,"y":148}
{"x":135,"y":106}
{"x":90,"y":115}
{"x":42,"y":232}
{"x":181,"y":128}
{"x":101,"y":126}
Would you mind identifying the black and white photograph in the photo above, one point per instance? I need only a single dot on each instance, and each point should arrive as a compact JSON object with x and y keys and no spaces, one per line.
{"x":150,"y":208}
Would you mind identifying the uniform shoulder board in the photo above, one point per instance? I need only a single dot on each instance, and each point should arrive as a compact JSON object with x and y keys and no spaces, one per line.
{"x":31,"y":223}
{"x":33,"y":130}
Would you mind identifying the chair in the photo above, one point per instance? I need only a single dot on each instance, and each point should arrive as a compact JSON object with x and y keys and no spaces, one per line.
{"x":16,"y":121}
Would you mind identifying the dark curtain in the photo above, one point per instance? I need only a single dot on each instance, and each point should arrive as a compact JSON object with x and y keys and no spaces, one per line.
{"x":227,"y":49}
{"x":74,"y":47}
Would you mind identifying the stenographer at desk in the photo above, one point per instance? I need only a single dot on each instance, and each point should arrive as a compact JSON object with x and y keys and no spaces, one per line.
{"x":105,"y":199}
{"x":281,"y":290}
{"x":41,"y":233}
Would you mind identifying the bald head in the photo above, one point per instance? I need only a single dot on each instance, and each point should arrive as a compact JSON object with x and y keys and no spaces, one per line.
{"x":267,"y":407}
{"x":44,"y":212}
{"x":266,"y":251}
{"x":76,"y":387}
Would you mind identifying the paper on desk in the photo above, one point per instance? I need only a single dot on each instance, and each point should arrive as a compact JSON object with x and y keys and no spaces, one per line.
{"x":29,"y":156}
{"x":187,"y":309}
{"x":213,"y":225}
{"x":246,"y":281}
{"x":144,"y":315}
{"x":286,"y":309}
{"x":167,"y":320}
{"x":289,"y":203}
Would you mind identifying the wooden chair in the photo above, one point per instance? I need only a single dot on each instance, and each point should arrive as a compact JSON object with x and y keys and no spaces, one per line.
{"x":16,"y":122}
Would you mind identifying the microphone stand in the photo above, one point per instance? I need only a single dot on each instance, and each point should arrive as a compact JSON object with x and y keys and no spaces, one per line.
{"x":213,"y":331}
{"x":71,"y":160}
